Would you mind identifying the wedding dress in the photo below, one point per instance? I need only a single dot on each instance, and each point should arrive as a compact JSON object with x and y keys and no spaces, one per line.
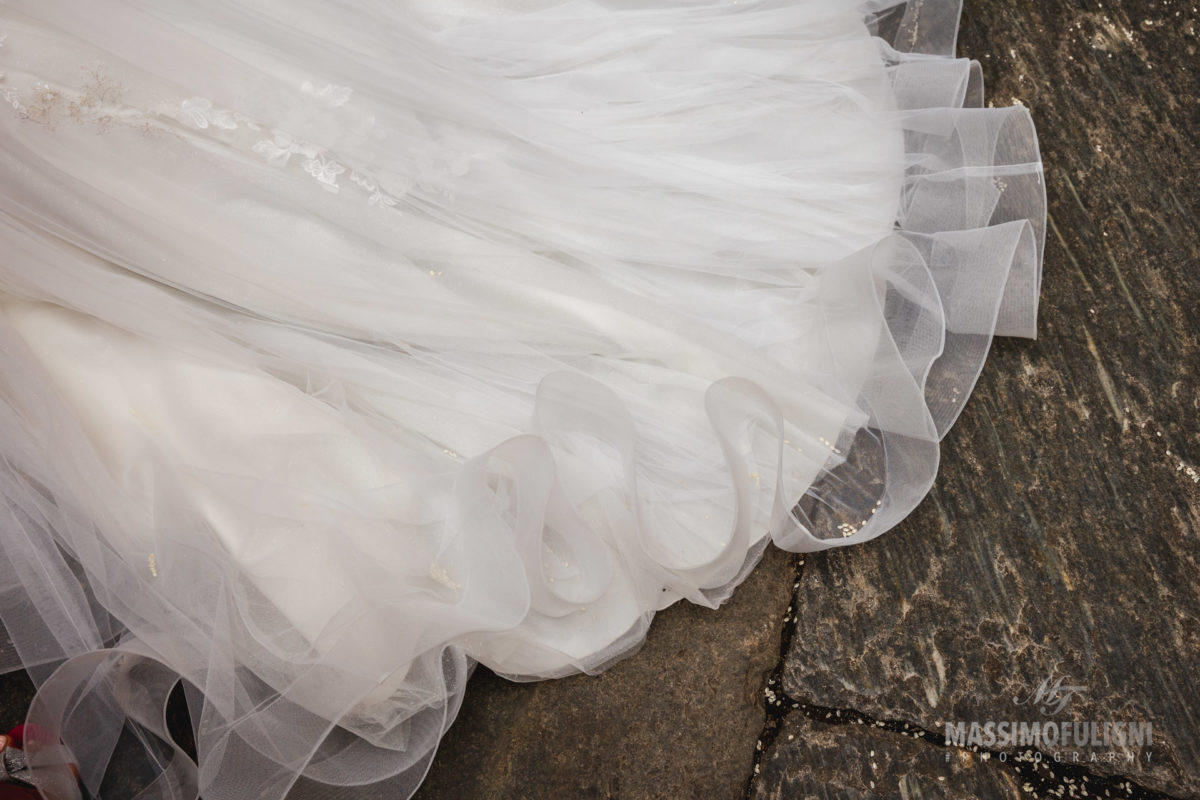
{"x":345,"y":344}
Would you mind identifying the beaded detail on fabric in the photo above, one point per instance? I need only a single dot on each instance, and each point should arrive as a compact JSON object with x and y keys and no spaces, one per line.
{"x":98,"y":103}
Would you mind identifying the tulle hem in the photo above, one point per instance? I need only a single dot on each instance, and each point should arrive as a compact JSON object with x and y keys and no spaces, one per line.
{"x":963,"y":264}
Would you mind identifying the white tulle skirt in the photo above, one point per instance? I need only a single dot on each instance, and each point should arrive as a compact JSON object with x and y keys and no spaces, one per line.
{"x":346,"y":344}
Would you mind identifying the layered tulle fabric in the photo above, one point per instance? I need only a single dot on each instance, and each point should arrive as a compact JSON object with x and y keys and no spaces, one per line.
{"x":345,"y":345}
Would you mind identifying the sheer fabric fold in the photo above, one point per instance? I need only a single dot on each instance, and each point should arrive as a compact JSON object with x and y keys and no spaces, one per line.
{"x":344,"y":346}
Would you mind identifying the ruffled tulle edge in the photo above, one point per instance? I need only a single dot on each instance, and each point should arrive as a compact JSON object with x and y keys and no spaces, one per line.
{"x":970,"y":234}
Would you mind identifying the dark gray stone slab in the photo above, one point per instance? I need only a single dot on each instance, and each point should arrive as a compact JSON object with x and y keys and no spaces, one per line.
{"x":1061,"y":537}
{"x":16,"y":693}
{"x":816,"y":761}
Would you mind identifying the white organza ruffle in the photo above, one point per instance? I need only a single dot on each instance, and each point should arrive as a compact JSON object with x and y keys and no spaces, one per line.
{"x":346,"y":345}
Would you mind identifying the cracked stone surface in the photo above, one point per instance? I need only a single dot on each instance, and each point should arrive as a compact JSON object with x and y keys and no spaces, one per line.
{"x":840,"y":762}
{"x":1061,"y":536}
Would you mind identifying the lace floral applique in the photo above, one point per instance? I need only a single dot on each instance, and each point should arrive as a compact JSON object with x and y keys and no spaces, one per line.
{"x":317,"y":163}
{"x":9,"y":95}
{"x":199,"y":113}
{"x":279,"y":151}
{"x":329,"y":94}
{"x":377,"y":196}
{"x":99,"y":102}
{"x":325,"y":170}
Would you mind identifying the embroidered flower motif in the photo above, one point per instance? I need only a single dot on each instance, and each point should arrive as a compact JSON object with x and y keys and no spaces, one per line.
{"x":10,"y":96}
{"x":329,"y":94}
{"x":380,"y":199}
{"x":280,"y":150}
{"x":377,"y":196}
{"x":199,"y":113}
{"x":100,"y":101}
{"x":325,"y":170}
{"x":249,"y":123}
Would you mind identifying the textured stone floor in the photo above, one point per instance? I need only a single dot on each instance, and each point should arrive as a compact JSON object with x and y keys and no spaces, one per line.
{"x":1061,"y":539}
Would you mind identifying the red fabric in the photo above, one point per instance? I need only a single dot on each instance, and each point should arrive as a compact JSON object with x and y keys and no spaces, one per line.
{"x":16,"y":791}
{"x":16,"y":737}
